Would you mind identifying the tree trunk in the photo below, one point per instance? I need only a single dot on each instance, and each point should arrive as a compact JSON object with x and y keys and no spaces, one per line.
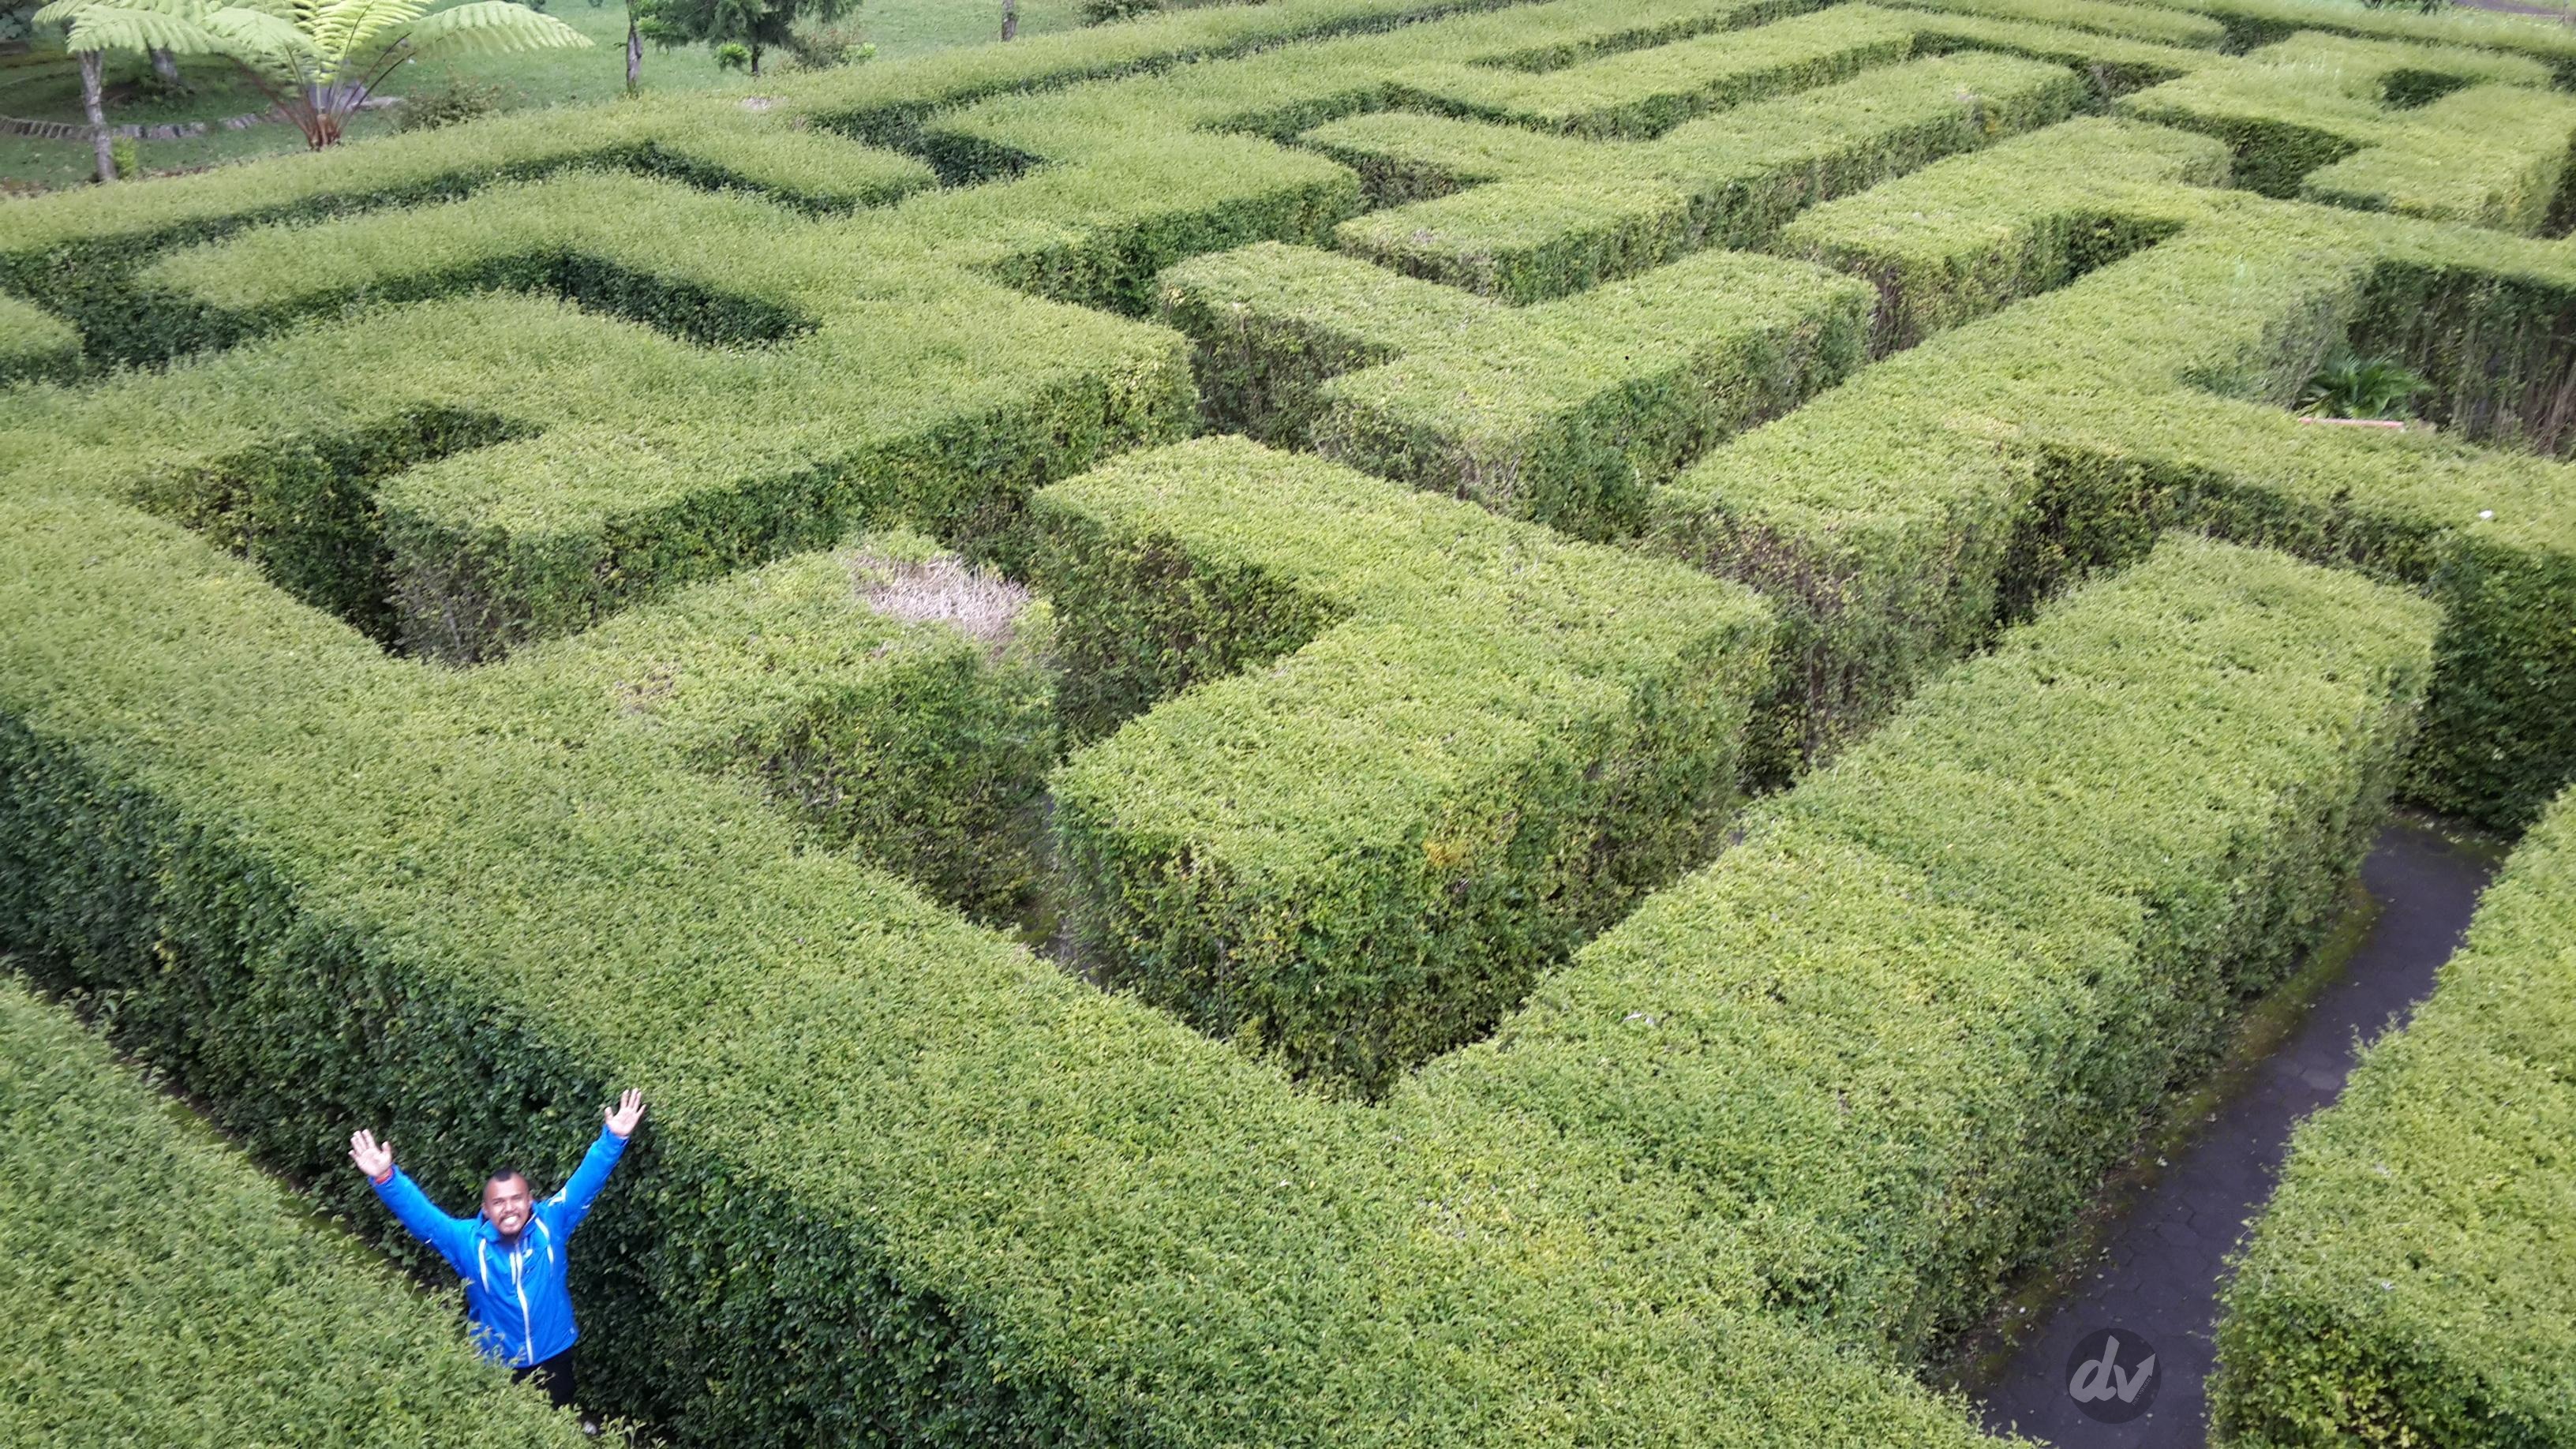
{"x":321,"y":115}
{"x":1010,"y":19}
{"x":755,"y":60}
{"x":634,"y":53}
{"x":166,"y":66}
{"x":92,"y":63}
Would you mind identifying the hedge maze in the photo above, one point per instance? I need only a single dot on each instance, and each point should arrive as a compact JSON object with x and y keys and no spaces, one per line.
{"x":1340,"y":721}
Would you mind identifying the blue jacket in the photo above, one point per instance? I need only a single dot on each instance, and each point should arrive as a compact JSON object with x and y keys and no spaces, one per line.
{"x":515,"y":1293}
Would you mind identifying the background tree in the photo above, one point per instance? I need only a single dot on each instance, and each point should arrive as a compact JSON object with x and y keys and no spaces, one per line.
{"x":756,"y":25}
{"x":319,"y":64}
{"x":93,"y":74}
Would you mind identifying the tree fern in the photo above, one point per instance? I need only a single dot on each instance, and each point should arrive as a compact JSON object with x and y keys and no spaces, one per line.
{"x":318,"y":60}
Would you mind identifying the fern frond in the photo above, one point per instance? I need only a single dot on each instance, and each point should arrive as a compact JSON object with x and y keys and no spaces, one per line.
{"x":118,"y":27}
{"x":350,"y":33}
{"x":269,"y":43}
{"x":492,"y":27}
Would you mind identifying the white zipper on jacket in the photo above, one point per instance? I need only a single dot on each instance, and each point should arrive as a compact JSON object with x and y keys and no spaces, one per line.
{"x":527,"y":1328}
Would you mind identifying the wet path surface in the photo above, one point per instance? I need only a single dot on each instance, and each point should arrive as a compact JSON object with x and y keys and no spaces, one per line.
{"x":2157,"y":1282}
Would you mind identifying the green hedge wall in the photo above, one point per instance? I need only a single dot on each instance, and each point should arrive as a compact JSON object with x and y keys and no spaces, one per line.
{"x":2410,"y":1281}
{"x":789,"y":152}
{"x":846,"y":684}
{"x":2135,"y":22}
{"x":1525,"y":734}
{"x":2252,"y":23}
{"x":1270,"y":325}
{"x":1584,"y":213}
{"x":160,"y":1290}
{"x":508,"y":469}
{"x":79,"y":253}
{"x":904,"y":1180}
{"x":2085,"y":194}
{"x":907,"y":1182}
{"x":1565,"y":413}
{"x":1902,"y":1029}
{"x":35,"y":343}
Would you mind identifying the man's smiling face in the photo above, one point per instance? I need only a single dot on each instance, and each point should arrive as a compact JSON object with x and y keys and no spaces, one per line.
{"x":507,"y":1201}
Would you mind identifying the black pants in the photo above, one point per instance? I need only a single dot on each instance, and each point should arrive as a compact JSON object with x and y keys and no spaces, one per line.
{"x":554,"y":1373}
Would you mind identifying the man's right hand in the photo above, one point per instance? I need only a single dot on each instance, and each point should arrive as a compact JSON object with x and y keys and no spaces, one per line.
{"x":376,"y":1162}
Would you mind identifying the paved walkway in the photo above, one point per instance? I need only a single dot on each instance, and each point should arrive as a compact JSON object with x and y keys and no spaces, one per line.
{"x":2159,"y":1277}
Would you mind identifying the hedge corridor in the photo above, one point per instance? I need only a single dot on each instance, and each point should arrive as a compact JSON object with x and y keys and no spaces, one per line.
{"x":1340,"y":721}
{"x":160,"y":1290}
{"x":2410,"y":1274}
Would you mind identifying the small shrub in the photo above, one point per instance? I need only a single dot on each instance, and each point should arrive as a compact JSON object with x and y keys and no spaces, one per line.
{"x":830,"y":46}
{"x":1102,"y":12}
{"x":446,"y":105}
{"x":733,"y":55}
{"x":2350,"y":386}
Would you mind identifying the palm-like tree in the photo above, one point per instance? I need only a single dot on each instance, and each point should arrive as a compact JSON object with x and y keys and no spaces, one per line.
{"x":317,"y":60}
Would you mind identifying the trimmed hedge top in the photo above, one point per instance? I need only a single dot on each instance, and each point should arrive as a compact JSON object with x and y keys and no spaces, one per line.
{"x":1565,"y":413}
{"x":892,"y":698}
{"x":34,"y":342}
{"x":2329,"y":119}
{"x":1524,"y":734}
{"x":160,"y":1290}
{"x":1591,"y":212}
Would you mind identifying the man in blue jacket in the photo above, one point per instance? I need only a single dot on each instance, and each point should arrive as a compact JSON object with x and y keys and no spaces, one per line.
{"x":513,"y":1256}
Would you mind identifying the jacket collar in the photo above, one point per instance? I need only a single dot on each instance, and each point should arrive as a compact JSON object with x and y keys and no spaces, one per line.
{"x":533,"y":1235}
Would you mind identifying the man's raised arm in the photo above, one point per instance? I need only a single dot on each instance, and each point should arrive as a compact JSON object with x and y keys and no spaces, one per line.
{"x":410,"y":1206}
{"x":587,"y":1179}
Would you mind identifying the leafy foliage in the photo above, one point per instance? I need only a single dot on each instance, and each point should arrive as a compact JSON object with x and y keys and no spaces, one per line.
{"x":1527,"y":733}
{"x":1893,"y":521}
{"x":749,"y":28}
{"x":427,"y":109}
{"x":2352,"y":386}
{"x":1567,"y":413}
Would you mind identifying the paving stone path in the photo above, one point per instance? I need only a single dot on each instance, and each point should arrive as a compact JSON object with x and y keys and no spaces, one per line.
{"x":2158,"y":1279}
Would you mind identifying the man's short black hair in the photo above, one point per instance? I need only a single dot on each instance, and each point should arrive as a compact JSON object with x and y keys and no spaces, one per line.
{"x":504,"y":1175}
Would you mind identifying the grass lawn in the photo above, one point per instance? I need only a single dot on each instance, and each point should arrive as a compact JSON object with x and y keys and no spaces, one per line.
{"x":45,"y":85}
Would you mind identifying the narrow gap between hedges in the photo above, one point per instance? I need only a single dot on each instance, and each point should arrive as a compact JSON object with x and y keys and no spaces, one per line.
{"x":197,"y":1118}
{"x":2149,"y":1257}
